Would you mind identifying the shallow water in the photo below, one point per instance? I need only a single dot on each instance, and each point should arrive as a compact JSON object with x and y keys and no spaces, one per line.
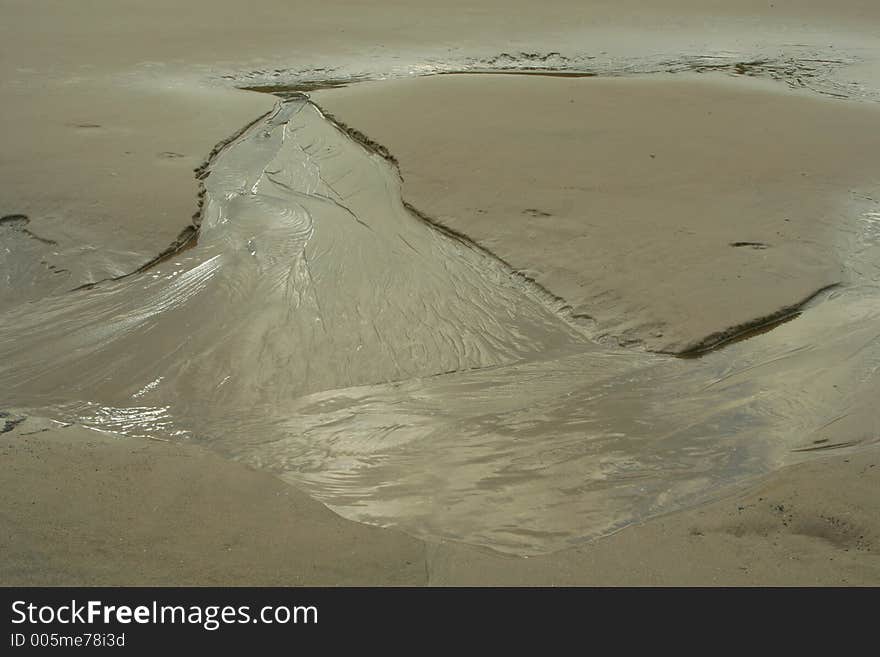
{"x":406,"y":378}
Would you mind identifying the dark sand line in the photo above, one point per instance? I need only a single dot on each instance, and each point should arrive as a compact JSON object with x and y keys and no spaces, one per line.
{"x":189,"y":235}
{"x":750,"y":328}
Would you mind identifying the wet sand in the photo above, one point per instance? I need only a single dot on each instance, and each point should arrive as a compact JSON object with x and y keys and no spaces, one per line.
{"x":89,"y":509}
{"x":107,"y":108}
{"x":322,"y":330}
{"x":107,"y":185}
{"x":86,"y":508}
{"x":672,"y":212}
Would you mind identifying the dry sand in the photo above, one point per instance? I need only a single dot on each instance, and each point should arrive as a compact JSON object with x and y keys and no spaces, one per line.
{"x":110,"y":105}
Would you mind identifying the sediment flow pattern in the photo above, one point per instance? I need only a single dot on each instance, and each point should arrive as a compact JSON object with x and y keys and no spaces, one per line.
{"x":405,"y":377}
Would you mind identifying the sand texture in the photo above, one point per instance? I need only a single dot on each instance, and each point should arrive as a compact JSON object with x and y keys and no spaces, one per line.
{"x":88,"y":509}
{"x":486,"y":293}
{"x":671,"y":212}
